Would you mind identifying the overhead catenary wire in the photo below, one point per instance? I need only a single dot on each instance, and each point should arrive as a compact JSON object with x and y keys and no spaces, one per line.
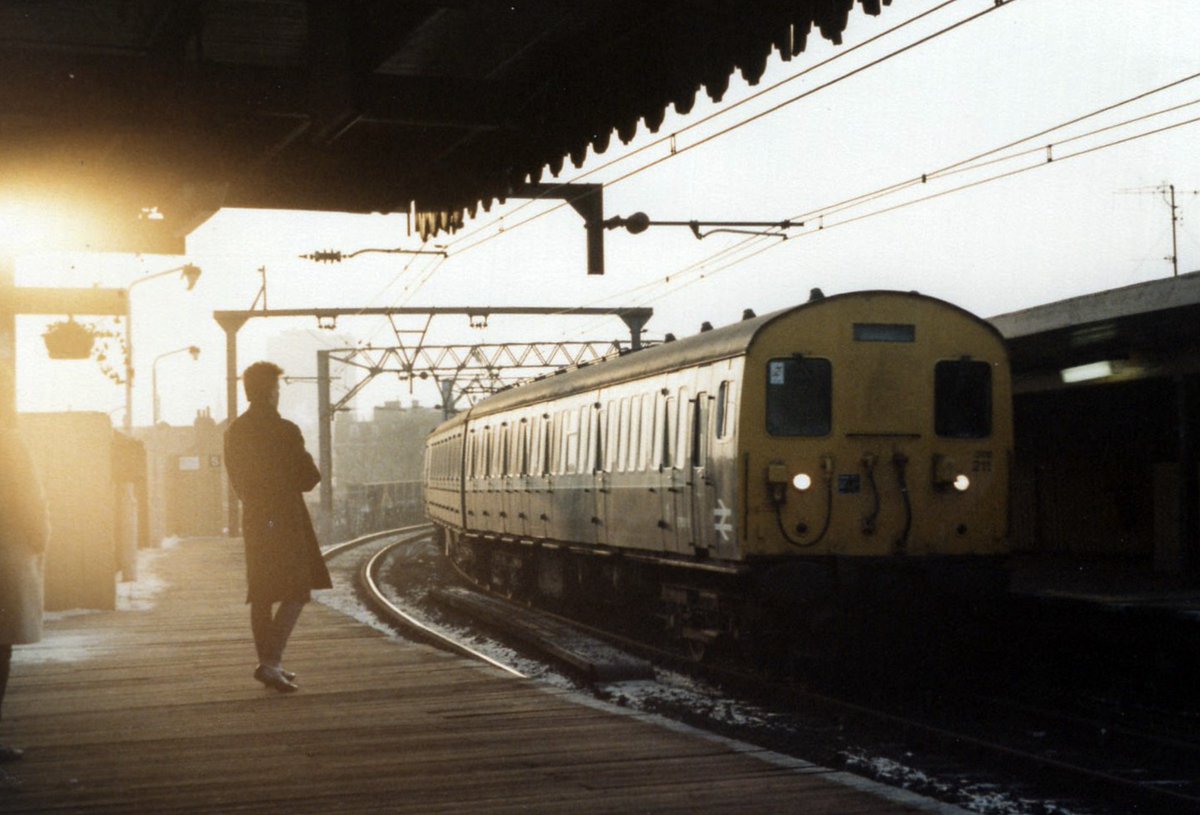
{"x":976,"y":162}
{"x":962,"y":187}
{"x":408,"y":291}
{"x":703,"y":268}
{"x":498,"y":223}
{"x":677,"y":150}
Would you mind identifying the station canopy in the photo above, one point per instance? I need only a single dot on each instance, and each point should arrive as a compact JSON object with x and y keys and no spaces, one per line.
{"x":153,"y":114}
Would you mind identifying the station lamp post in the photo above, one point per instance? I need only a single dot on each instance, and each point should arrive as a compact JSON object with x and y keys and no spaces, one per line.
{"x":188,"y":272}
{"x":191,"y":349}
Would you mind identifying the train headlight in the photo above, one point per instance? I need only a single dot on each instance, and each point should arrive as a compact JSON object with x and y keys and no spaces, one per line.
{"x":802,"y":481}
{"x":961,"y":482}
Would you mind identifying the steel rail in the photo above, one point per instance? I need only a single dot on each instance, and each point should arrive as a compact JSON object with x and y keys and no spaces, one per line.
{"x":368,"y":579}
{"x":338,"y":548}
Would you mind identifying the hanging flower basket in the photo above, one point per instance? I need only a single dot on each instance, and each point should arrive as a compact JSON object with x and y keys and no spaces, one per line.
{"x":68,"y":340}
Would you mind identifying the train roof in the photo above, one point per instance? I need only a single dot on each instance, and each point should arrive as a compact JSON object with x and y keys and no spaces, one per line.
{"x":708,"y":346}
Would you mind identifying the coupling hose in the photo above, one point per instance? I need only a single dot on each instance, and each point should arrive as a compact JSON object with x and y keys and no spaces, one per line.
{"x":900,"y":462}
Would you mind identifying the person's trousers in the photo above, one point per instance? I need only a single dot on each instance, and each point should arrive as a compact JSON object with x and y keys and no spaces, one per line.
{"x":271,"y":630}
{"x":5,"y":662}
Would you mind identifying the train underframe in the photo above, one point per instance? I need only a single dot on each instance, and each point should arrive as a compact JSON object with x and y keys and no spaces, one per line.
{"x":786,"y":616}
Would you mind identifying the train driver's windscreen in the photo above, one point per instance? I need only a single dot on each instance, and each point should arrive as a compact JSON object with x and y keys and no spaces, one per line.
{"x":963,"y":399}
{"x":799,"y":396}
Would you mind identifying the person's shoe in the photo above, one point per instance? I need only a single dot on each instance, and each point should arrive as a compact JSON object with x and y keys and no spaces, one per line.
{"x":273,"y":678}
{"x":8,"y":754}
{"x":288,"y":675}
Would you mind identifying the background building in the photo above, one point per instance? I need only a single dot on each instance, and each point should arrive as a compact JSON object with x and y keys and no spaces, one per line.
{"x":296,"y":352}
{"x":377,"y":467}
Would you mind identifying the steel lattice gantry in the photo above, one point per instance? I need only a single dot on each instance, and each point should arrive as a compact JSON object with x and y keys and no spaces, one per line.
{"x":494,"y":365}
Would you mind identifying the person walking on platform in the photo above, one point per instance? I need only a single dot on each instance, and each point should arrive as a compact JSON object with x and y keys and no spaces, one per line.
{"x":23,"y":534}
{"x":270,"y":470}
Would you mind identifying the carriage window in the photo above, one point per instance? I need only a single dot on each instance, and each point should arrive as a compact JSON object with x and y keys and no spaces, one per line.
{"x":668,"y":433}
{"x":724,"y":419}
{"x":600,"y":433}
{"x":631,"y":433}
{"x":646,"y":454}
{"x":799,"y":396}
{"x":571,"y":441}
{"x":585,"y":442}
{"x":534,"y":454}
{"x":963,"y":399}
{"x":616,"y":435}
{"x":559,"y":444}
{"x":681,"y":449}
{"x":522,"y":450}
{"x":618,"y":429}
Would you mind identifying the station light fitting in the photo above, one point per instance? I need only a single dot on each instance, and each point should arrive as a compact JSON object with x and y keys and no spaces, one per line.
{"x":1084,"y":373}
{"x":961,"y":482}
{"x":802,"y":481}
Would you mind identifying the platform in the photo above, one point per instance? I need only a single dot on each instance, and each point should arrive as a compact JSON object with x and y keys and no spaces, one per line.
{"x":1119,"y":586}
{"x":154,"y":710}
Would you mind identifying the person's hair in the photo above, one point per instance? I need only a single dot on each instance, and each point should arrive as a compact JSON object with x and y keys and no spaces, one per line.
{"x":259,"y":378}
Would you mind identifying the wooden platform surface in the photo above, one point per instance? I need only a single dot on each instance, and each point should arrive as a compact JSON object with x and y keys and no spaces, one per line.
{"x":155,"y":711}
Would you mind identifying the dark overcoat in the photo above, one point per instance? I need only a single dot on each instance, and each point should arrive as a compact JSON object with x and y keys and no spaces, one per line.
{"x":270,"y":470}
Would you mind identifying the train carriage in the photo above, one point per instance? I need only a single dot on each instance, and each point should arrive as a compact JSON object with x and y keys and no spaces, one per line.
{"x":834,"y":455}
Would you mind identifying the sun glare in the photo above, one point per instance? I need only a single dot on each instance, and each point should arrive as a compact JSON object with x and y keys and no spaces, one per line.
{"x":31,"y":223}
{"x":22,"y":226}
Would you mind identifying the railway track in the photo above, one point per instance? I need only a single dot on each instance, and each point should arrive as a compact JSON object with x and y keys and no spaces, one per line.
{"x":1105,"y":767}
{"x":395,"y":616}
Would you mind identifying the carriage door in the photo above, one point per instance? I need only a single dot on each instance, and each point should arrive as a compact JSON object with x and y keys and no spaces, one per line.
{"x":518,"y":512}
{"x":681,"y":473}
{"x":700,"y":474}
{"x":601,"y":469}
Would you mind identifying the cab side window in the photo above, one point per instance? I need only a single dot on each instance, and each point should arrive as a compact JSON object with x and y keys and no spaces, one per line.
{"x":962,"y":399}
{"x":799,"y":396}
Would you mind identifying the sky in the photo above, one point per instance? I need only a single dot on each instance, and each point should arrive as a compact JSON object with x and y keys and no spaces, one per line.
{"x":1022,"y":231}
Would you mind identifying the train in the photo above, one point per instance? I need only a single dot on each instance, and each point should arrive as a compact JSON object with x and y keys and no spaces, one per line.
{"x":755,"y":485}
